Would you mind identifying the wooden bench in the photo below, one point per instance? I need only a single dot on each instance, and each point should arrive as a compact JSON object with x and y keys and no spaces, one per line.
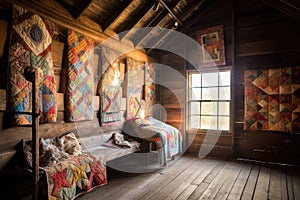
{"x":95,"y":146}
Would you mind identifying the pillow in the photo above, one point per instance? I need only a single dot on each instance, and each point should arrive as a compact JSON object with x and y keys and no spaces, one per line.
{"x":70,"y":144}
{"x":142,"y":122}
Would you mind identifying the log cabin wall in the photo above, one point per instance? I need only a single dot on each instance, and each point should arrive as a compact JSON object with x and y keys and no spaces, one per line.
{"x":263,"y":37}
{"x":12,"y":136}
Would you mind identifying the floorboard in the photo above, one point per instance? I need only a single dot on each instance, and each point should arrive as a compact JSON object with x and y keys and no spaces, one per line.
{"x":191,"y":178}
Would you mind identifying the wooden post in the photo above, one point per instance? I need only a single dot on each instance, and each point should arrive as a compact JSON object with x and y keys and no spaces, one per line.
{"x":31,"y":75}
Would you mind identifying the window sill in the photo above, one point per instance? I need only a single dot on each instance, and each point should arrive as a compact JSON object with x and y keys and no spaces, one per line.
{"x":201,"y":131}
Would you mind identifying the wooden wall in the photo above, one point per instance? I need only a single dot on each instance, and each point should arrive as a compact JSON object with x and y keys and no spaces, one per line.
{"x":263,"y":37}
{"x":11,"y":136}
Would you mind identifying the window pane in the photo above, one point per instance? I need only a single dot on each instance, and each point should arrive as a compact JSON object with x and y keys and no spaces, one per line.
{"x":224,"y":123}
{"x":196,"y":80}
{"x":224,"y":108}
{"x":209,"y":108}
{"x":209,"y":122}
{"x":196,"y":93}
{"x":210,"y":79}
{"x":194,"y":122}
{"x":224,"y":93}
{"x":210,"y":93}
{"x":195,"y":108}
{"x":224,"y":78}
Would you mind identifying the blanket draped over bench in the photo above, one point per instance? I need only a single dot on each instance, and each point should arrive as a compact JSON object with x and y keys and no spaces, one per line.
{"x":69,"y":173}
{"x":74,"y":176}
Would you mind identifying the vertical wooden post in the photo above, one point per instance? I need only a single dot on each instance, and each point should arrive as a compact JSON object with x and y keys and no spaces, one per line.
{"x":35,"y":136}
{"x":32,"y":76}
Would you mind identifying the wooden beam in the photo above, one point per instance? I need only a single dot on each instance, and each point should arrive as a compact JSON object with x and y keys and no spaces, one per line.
{"x":114,"y":18}
{"x":137,"y":18}
{"x":170,"y":10}
{"x":154,"y":23}
{"x":87,"y":5}
{"x":192,"y":6}
{"x":57,"y":14}
{"x":162,"y":36}
{"x":286,"y":7}
{"x":74,"y":9}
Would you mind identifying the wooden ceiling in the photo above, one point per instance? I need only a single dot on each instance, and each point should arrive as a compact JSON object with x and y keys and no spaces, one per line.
{"x":101,"y":19}
{"x":105,"y":18}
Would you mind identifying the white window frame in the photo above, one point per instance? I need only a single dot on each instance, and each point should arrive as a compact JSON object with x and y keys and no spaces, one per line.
{"x":189,"y":100}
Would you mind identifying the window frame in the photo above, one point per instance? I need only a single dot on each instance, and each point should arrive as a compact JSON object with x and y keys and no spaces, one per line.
{"x":188,"y":100}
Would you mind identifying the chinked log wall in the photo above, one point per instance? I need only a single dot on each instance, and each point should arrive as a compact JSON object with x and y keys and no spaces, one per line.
{"x":264,"y":38}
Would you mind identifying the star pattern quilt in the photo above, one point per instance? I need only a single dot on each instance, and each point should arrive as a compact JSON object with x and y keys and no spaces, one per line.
{"x":74,"y":176}
{"x":272,"y":99}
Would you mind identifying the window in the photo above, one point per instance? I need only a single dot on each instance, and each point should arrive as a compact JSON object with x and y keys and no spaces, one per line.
{"x":209,"y":100}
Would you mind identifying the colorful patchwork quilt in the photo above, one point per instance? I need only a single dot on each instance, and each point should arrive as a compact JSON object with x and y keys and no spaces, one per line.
{"x":80,"y":79}
{"x":149,"y":82}
{"x":272,"y":99}
{"x":74,"y":176}
{"x":30,"y":45}
{"x":164,"y":135}
{"x":110,"y":87}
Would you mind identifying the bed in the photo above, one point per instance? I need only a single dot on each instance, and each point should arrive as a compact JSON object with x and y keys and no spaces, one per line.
{"x":168,"y":139}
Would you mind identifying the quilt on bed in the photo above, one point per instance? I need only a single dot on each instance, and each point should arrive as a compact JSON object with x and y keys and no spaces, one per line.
{"x":165,"y":135}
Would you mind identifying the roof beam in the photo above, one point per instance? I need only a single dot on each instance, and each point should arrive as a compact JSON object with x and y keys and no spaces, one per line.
{"x":169,"y":9}
{"x":137,"y":18}
{"x":87,"y":5}
{"x":186,"y":13}
{"x":286,"y":7}
{"x":162,"y":36}
{"x":154,"y":23}
{"x":116,"y":15}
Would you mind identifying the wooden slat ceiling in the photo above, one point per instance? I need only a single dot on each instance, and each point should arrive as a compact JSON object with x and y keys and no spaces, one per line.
{"x":110,"y":17}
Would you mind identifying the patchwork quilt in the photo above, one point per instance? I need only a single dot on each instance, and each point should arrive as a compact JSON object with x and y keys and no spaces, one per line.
{"x":272,"y":99}
{"x":72,"y":177}
{"x":80,"y":79}
{"x":110,"y":90}
{"x":164,"y":135}
{"x":30,"y":45}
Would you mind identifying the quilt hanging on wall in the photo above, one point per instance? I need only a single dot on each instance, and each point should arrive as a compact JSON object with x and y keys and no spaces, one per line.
{"x":80,"y":78}
{"x":110,"y":87}
{"x":135,"y":82}
{"x":30,"y":45}
{"x":149,"y":82}
{"x":272,"y":99}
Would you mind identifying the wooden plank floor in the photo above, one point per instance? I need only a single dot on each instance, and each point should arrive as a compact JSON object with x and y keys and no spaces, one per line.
{"x":193,"y":178}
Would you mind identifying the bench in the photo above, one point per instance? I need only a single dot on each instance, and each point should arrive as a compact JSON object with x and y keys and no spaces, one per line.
{"x":95,"y":146}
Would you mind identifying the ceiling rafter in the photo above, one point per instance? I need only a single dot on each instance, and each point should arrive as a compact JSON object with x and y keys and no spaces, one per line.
{"x":137,"y":18}
{"x":131,"y":31}
{"x":117,"y":14}
{"x":286,"y":7}
{"x":79,"y":9}
{"x":188,"y":10}
{"x":169,"y":9}
{"x":84,"y":9}
{"x":154,"y":23}
{"x":163,"y":35}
